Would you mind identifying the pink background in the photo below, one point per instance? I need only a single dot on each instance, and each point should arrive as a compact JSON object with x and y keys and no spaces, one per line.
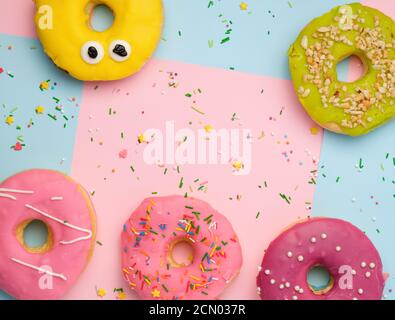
{"x":146,"y":101}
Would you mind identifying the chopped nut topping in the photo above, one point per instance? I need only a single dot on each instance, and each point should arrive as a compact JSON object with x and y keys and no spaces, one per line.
{"x":348,"y":29}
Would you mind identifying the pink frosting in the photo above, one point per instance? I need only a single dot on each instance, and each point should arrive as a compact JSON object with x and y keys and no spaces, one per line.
{"x":344,"y":250}
{"x":154,"y":225}
{"x":65,"y":260}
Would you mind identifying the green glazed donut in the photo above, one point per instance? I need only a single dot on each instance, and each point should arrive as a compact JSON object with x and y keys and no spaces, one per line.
{"x":348,"y":108}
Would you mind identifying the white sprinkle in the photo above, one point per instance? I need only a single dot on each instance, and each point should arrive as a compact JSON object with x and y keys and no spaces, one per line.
{"x":355,"y":299}
{"x":281,"y":286}
{"x":313,"y":240}
{"x":57,"y":198}
{"x":65,"y":223}
{"x":40,"y":269}
{"x":272,"y":281}
{"x":259,"y":269}
{"x":301,"y":290}
{"x":372,"y":265}
{"x":16,"y":191}
{"x":287,"y":284}
{"x":300,"y":258}
{"x":4,"y":195}
{"x":363,"y":264}
{"x":360,"y":291}
{"x":294,"y":298}
{"x":289,"y":254}
{"x":324,"y":236}
{"x":296,"y":288}
{"x":368,"y":274}
{"x":338,"y":248}
{"x":353,"y":272}
{"x":267,"y":272}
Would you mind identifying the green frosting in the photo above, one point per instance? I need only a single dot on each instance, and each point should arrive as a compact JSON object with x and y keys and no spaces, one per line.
{"x":349,"y":108}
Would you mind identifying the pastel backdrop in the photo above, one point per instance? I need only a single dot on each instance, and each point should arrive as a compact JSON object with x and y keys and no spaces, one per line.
{"x":201,"y":75}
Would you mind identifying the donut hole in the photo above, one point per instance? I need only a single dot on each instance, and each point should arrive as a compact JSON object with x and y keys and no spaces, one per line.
{"x":101,"y":17}
{"x":351,"y":69}
{"x":35,"y":236}
{"x":181,"y":253}
{"x":320,"y":280}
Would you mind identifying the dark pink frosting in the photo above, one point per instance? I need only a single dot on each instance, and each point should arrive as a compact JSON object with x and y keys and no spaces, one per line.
{"x":344,"y":250}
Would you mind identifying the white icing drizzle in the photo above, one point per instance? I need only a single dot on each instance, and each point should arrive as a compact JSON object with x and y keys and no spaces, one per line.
{"x":65,"y":223}
{"x":61,"y":276}
{"x":57,"y":198}
{"x":4,"y":195}
{"x":16,"y":191}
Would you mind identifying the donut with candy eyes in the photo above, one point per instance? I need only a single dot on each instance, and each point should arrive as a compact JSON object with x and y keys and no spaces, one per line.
{"x":65,"y":31}
{"x":352,"y":261}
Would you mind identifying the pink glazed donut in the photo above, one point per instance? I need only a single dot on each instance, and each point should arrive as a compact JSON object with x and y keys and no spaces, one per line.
{"x":150,"y":235}
{"x":48,"y":271}
{"x":346,"y":252}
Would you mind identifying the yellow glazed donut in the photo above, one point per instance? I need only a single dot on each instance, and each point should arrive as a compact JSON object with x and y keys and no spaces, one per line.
{"x":348,"y":108}
{"x":66,"y":34}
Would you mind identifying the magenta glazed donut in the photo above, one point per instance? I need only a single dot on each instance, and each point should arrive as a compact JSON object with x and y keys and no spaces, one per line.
{"x":150,"y":235}
{"x":346,"y":252}
{"x":48,"y":271}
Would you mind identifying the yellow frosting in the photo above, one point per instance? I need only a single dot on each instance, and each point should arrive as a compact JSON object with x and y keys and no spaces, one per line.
{"x":64,"y":29}
{"x":348,"y":108}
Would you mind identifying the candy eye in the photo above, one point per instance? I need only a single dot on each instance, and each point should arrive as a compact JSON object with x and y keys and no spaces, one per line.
{"x":92,"y":52}
{"x":120,"y":50}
